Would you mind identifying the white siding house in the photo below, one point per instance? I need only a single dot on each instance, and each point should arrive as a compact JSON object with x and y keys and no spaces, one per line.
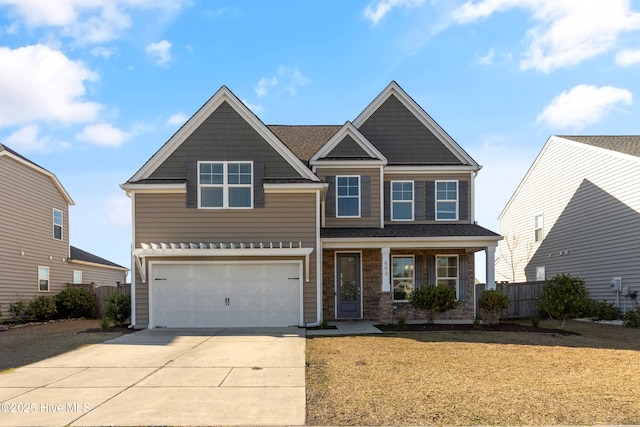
{"x":577,"y":211}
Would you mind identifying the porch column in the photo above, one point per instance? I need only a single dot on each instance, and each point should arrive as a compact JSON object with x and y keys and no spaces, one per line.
{"x":386,"y":276}
{"x":490,"y":271}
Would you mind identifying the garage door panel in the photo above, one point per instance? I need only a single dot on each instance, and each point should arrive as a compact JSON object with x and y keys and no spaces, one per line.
{"x":226,"y":294}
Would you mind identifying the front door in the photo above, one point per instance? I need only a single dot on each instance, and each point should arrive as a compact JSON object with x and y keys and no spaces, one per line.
{"x":348,"y":279}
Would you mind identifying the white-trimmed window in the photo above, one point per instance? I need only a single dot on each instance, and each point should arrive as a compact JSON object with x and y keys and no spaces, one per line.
{"x":77,"y":276}
{"x":447,"y":200}
{"x":447,"y":272}
{"x":403,"y":277}
{"x":538,"y":223}
{"x":225,"y":185}
{"x":541,"y":274}
{"x":348,"y":196}
{"x":57,"y":224}
{"x":402,"y":207}
{"x":43,"y":279}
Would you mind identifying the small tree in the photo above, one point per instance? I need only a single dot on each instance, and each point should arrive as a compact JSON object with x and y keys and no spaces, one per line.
{"x":564,"y":297}
{"x":434,"y":300}
{"x":117,"y":308}
{"x":492,"y":302}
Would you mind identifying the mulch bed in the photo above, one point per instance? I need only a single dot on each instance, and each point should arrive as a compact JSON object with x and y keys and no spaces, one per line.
{"x":447,"y":327}
{"x":121,"y":329}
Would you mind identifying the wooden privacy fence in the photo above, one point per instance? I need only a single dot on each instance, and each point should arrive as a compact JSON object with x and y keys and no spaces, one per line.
{"x":522,"y":298}
{"x":102,"y":292}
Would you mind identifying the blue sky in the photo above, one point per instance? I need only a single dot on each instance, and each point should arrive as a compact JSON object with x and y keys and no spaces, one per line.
{"x":90,"y":89}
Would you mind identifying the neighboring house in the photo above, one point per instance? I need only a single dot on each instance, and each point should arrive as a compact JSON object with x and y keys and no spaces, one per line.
{"x":236,"y":223}
{"x":577,"y":211}
{"x":35,"y":255}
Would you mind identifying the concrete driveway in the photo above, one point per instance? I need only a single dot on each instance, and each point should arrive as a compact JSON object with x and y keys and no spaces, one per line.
{"x":165,"y":377}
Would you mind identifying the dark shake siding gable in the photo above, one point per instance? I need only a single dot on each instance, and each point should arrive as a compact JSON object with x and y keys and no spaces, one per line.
{"x":403,"y":139}
{"x":348,"y":148}
{"x":225,"y":136}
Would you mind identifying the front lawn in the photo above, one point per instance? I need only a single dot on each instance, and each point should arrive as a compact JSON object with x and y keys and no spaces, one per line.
{"x":476,"y":378}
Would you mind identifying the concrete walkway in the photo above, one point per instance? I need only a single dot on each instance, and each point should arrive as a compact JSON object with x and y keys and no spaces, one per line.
{"x":165,"y":377}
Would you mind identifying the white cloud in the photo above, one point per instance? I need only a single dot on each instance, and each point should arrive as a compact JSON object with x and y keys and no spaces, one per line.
{"x":583,"y":105}
{"x":379,"y":9}
{"x":86,"y":22}
{"x":118,"y":210}
{"x":488,"y":58}
{"x":28,"y":140}
{"x":28,"y":95}
{"x":177,"y":119}
{"x":160,"y":51}
{"x":104,"y":134}
{"x":628,"y":57}
{"x":569,"y":31}
{"x":255,"y":108}
{"x":264,"y":85}
{"x":103,"y":52}
{"x":293,"y":79}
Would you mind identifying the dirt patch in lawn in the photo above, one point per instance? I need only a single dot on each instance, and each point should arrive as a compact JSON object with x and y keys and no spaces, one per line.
{"x":476,"y":378}
{"x":467,"y":327}
{"x":29,"y":344}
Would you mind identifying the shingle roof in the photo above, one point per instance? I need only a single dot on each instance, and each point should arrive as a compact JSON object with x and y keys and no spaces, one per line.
{"x":410,"y":230}
{"x":627,"y":144}
{"x":304,"y":141}
{"x":80,"y":255}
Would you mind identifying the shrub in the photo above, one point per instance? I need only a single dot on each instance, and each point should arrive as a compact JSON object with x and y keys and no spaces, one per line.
{"x":18,"y":310}
{"x":563,"y":297}
{"x":492,"y":302}
{"x":434,"y":300}
{"x":76,"y":302}
{"x":632,"y":318}
{"x":602,"y":310}
{"x":117,"y":308}
{"x":42,"y":308}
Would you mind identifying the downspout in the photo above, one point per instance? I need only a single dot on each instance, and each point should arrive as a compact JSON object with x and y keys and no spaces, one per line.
{"x":133,"y":263}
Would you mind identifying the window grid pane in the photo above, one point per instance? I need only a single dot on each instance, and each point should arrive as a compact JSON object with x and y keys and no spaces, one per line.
{"x":403,"y":280}
{"x":348,"y":196}
{"x":225,"y":184}
{"x":447,"y":272}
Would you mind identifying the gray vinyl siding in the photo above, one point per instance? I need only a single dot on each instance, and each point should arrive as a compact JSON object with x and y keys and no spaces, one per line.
{"x":26,"y":225}
{"x":348,"y":148}
{"x":373,"y":219}
{"x":591,"y":219}
{"x":225,"y":136}
{"x":285,"y":218}
{"x":403,"y":139}
{"x":462,"y":177}
{"x":98,"y":275}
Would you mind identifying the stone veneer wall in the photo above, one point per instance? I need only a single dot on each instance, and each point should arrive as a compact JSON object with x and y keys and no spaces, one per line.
{"x":378,"y":305}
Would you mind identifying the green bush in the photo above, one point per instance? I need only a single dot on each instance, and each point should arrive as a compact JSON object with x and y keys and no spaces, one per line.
{"x":632,"y":318}
{"x":492,"y":302}
{"x":564,"y":297}
{"x":18,"y":310}
{"x":602,"y":310}
{"x":76,"y":302}
{"x":434,"y":300}
{"x":117,"y":308}
{"x":43,"y":308}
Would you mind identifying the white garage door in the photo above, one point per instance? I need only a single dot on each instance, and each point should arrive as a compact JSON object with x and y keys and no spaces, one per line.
{"x":225,"y":294}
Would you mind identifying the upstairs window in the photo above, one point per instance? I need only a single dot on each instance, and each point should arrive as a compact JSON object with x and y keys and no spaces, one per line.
{"x":57,"y":224}
{"x":402,"y":201}
{"x":348,"y":196}
{"x":537,"y":225}
{"x":225,"y":185}
{"x":447,"y":200}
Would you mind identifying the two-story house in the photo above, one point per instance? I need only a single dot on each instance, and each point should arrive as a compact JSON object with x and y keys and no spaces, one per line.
{"x":576,"y":211}
{"x":35,"y":255}
{"x":236,"y":223}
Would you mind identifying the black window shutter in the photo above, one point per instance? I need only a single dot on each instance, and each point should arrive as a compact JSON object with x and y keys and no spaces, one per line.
{"x":418,"y":200}
{"x":431,"y":270}
{"x":463,"y":278}
{"x":258,"y":187}
{"x":387,"y":201}
{"x":430,"y":187}
{"x":418,"y":271}
{"x":365,"y":197}
{"x":463,"y":200}
{"x":330,"y":203}
{"x":192,"y":184}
